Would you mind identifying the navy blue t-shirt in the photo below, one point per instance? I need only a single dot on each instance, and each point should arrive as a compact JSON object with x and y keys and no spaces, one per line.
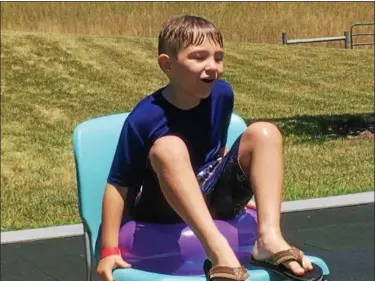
{"x":202,"y":128}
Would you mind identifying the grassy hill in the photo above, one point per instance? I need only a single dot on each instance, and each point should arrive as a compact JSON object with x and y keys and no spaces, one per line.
{"x":321,"y":98}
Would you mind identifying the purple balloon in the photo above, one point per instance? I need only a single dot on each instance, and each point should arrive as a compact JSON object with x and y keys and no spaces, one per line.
{"x":175,"y":250}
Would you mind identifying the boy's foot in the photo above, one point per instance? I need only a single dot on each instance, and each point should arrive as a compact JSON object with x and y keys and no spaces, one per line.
{"x":223,"y":265}
{"x":287,"y":261}
{"x":265,"y":247}
{"x":224,"y":273}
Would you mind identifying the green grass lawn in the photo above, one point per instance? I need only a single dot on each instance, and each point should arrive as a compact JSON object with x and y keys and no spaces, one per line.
{"x":321,"y":98}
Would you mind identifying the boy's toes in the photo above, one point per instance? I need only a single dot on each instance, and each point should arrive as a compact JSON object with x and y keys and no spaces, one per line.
{"x":307,"y":266}
{"x":300,"y":268}
{"x":295,"y":267}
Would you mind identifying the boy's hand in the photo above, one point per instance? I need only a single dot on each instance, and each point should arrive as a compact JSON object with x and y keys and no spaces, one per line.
{"x":108,"y":264}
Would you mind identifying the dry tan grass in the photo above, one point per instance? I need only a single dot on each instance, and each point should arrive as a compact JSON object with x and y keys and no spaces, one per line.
{"x":260,"y":22}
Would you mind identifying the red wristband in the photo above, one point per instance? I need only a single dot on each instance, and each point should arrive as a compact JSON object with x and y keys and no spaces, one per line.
{"x":110,"y":252}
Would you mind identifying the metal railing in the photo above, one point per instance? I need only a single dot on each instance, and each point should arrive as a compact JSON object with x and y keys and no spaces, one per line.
{"x":347,"y":38}
{"x":344,"y":38}
{"x":361,"y":34}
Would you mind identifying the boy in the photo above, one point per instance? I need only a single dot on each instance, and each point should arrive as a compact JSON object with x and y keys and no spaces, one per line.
{"x":171,"y":163}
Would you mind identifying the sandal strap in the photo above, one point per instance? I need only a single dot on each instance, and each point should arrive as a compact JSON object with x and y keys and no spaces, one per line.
{"x":233,"y":273}
{"x":292,"y":254}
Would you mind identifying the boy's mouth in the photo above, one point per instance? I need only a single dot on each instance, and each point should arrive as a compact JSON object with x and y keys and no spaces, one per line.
{"x":207,"y":80}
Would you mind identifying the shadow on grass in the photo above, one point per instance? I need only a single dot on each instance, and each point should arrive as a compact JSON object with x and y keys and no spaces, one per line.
{"x":323,"y":127}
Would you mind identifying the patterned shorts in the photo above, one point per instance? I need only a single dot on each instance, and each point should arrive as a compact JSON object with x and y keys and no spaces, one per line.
{"x":225,"y":186}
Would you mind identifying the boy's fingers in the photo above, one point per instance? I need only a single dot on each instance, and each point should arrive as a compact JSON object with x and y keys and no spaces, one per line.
{"x":109,"y":266}
{"x":123,"y":264}
{"x":108,"y":275}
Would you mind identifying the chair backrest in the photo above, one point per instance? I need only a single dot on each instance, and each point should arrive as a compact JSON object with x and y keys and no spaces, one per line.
{"x":94,"y":144}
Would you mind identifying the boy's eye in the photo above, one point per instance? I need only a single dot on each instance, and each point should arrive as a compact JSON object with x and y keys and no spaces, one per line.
{"x":219,"y":57}
{"x":199,"y":57}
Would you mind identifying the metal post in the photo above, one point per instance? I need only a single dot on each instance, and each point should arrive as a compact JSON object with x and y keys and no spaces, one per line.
{"x":346,"y":34}
{"x":283,"y":38}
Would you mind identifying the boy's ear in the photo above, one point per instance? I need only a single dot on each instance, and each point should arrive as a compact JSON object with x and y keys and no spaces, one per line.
{"x":165,"y":63}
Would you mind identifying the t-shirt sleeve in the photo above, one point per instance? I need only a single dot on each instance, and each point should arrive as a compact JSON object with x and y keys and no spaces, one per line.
{"x":228,"y":109}
{"x":129,"y":159}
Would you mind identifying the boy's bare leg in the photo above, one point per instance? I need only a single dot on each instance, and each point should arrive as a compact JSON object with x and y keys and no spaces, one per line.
{"x":261,"y":158}
{"x":170,"y":160}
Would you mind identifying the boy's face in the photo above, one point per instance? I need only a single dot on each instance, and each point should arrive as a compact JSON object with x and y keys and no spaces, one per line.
{"x":195,"y":69}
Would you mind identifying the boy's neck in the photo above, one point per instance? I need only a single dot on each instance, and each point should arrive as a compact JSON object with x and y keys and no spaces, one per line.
{"x":180,"y":99}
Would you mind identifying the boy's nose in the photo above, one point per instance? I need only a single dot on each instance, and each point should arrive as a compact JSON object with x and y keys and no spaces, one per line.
{"x":211,"y":65}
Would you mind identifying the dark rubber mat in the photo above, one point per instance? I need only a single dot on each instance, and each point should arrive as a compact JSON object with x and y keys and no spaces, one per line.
{"x":343,"y":237}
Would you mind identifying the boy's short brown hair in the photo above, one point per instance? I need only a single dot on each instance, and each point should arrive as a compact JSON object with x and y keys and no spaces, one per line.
{"x":180,"y":32}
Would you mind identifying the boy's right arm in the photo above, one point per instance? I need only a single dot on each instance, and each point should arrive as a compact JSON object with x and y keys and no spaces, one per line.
{"x":113,"y":207}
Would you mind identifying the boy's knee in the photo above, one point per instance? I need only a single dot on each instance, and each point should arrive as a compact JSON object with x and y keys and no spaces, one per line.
{"x":168,"y":148}
{"x":262,"y":131}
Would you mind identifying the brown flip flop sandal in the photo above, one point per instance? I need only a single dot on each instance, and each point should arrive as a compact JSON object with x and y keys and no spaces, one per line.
{"x":275,"y":263}
{"x":232,"y":273}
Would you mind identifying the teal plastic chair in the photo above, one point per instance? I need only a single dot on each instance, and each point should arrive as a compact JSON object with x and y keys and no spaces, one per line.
{"x":94,"y":144}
